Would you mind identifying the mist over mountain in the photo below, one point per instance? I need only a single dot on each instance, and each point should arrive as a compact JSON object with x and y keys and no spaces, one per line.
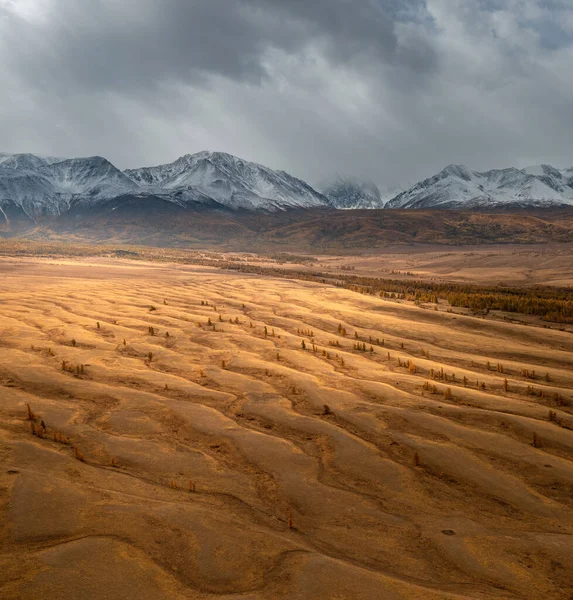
{"x":350,"y":192}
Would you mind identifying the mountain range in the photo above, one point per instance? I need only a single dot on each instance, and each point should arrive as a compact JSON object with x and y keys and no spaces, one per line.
{"x":36,"y":188}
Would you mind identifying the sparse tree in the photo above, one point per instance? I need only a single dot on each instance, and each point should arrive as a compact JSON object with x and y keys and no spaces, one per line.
{"x":30,"y":416}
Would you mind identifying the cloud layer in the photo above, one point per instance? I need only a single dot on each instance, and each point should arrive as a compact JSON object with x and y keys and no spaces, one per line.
{"x":390,"y":90}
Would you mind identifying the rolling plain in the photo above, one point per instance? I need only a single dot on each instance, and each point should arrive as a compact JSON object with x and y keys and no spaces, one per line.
{"x":176,"y":431}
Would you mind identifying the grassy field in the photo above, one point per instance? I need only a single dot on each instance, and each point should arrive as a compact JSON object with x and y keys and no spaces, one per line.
{"x":175,"y":431}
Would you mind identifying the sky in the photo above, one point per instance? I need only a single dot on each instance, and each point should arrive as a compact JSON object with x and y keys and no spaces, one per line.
{"x":386,"y":90}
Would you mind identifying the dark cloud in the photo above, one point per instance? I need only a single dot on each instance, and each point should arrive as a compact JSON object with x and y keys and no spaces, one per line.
{"x":391,"y":90}
{"x":103,"y":44}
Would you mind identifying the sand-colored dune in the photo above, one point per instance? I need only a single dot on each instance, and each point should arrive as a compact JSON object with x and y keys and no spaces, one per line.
{"x":187,"y":453}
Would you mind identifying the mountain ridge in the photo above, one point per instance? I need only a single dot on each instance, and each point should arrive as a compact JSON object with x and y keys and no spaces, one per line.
{"x":43,"y":187}
{"x":457,"y":187}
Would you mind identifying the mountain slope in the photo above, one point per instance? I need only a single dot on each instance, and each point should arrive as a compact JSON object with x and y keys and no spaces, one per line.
{"x":458,"y":187}
{"x":230,"y":181}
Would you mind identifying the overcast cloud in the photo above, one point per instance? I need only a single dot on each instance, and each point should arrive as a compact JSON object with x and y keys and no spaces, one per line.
{"x":390,"y":90}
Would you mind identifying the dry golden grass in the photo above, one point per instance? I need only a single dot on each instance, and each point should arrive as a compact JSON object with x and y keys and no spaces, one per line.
{"x":230,"y":460}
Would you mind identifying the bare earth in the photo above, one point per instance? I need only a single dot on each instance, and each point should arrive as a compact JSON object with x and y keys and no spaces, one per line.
{"x":213,"y":470}
{"x":491,"y":265}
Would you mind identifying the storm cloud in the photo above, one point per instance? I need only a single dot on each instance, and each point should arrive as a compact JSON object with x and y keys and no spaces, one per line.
{"x":390,"y":90}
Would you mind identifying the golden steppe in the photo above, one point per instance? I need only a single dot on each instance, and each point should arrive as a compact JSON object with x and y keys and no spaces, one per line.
{"x":187,"y":454}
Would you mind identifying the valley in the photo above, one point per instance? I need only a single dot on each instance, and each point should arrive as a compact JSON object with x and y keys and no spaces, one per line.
{"x":174,"y":429}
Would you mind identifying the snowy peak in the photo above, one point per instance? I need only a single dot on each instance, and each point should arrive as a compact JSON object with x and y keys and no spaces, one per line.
{"x":459,"y":171}
{"x":352,"y":193}
{"x":458,"y":187}
{"x":90,"y":178}
{"x":230,"y":181}
{"x":26,"y":162}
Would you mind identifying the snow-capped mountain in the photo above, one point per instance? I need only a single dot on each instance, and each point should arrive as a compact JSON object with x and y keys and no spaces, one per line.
{"x":88,"y":180}
{"x":30,"y":191}
{"x":458,"y":187}
{"x":42,"y":187}
{"x":350,"y":192}
{"x":230,"y":181}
